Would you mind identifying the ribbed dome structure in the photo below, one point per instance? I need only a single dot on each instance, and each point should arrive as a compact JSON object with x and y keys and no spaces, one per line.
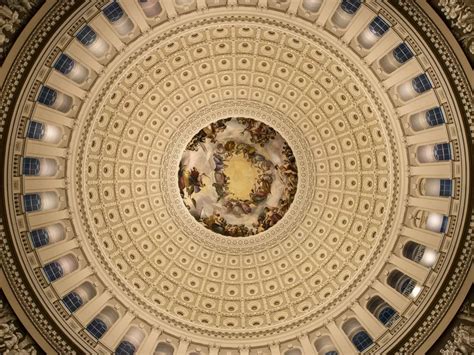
{"x":236,"y":177}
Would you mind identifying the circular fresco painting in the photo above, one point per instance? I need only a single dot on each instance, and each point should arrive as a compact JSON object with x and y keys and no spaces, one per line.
{"x":238,"y":177}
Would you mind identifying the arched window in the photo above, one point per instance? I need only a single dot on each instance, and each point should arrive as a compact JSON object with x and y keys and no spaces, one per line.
{"x":442,"y":151}
{"x":44,"y":236}
{"x":427,"y":119}
{"x":444,"y":225}
{"x":35,"y":130}
{"x":413,"y":251}
{"x":150,"y":8}
{"x":40,"y":201}
{"x":32,"y":202}
{"x":113,"y":12}
{"x":86,"y":35}
{"x":125,"y":348}
{"x":130,"y":342}
{"x":382,"y":310}
{"x":39,"y":237}
{"x":433,"y":153}
{"x":402,"y":53}
{"x":47,"y":96}
{"x":72,"y":301}
{"x":403,"y":284}
{"x":293,"y":352}
{"x":79,"y":296}
{"x":118,"y":18}
{"x":102,"y":322}
{"x":386,"y":315}
{"x":60,"y":267}
{"x":378,"y":26}
{"x":420,"y":254}
{"x":97,"y":328}
{"x":362,"y":340}
{"x":436,"y":187}
{"x":435,"y":117}
{"x":350,"y":6}
{"x":325,"y":346}
{"x":164,"y":349}
{"x":45,"y":132}
{"x":436,"y":222}
{"x":64,"y":64}
{"x":357,"y":334}
{"x":53,"y":271}
{"x":421,"y":83}
{"x":445,"y":187}
{"x":56,"y":100}
{"x":312,"y":5}
{"x":39,"y":167}
{"x":31,"y":166}
{"x":407,"y":286}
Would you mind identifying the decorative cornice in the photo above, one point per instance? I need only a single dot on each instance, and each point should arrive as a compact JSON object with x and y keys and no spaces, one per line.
{"x":14,"y":15}
{"x":459,"y":16}
{"x":463,"y":93}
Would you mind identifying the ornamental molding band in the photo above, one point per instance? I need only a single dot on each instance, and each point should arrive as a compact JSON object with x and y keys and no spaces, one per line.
{"x":13,"y":17}
{"x":460,"y":18}
{"x":236,"y":177}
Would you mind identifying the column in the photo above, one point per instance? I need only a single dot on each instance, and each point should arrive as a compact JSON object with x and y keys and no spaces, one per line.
{"x":368,"y":321}
{"x":244,"y":351}
{"x":182,"y":347}
{"x":136,"y":14}
{"x":391,"y":296}
{"x":87,"y":312}
{"x":71,"y":281}
{"x":214,"y":351}
{"x":412,"y":269}
{"x":65,"y":85}
{"x":341,"y":341}
{"x":201,"y":4}
{"x":424,"y":101}
{"x":275,"y":349}
{"x":293,"y":8}
{"x":430,"y":135}
{"x":53,"y":251}
{"x":410,"y":69}
{"x":114,"y":335}
{"x":46,"y":218}
{"x":37,"y":185}
{"x":35,"y":148}
{"x":149,"y":344}
{"x":46,"y":114}
{"x":80,"y":53}
{"x":427,"y":238}
{"x":168,"y":6}
{"x":438,"y":170}
{"x":361,"y":20}
{"x":104,"y":30}
{"x":434,"y":204}
{"x":386,"y":43}
{"x":326,"y":11}
{"x":308,"y":348}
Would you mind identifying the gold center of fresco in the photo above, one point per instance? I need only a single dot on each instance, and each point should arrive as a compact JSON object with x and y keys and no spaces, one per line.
{"x":238,"y":177}
{"x":242,"y":176}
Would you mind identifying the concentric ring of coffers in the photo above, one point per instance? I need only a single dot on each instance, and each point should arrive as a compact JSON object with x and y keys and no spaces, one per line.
{"x":167,"y":246}
{"x":129,"y":195}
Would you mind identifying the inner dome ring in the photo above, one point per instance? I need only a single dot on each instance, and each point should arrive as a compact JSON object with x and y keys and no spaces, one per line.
{"x":259,"y":112}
